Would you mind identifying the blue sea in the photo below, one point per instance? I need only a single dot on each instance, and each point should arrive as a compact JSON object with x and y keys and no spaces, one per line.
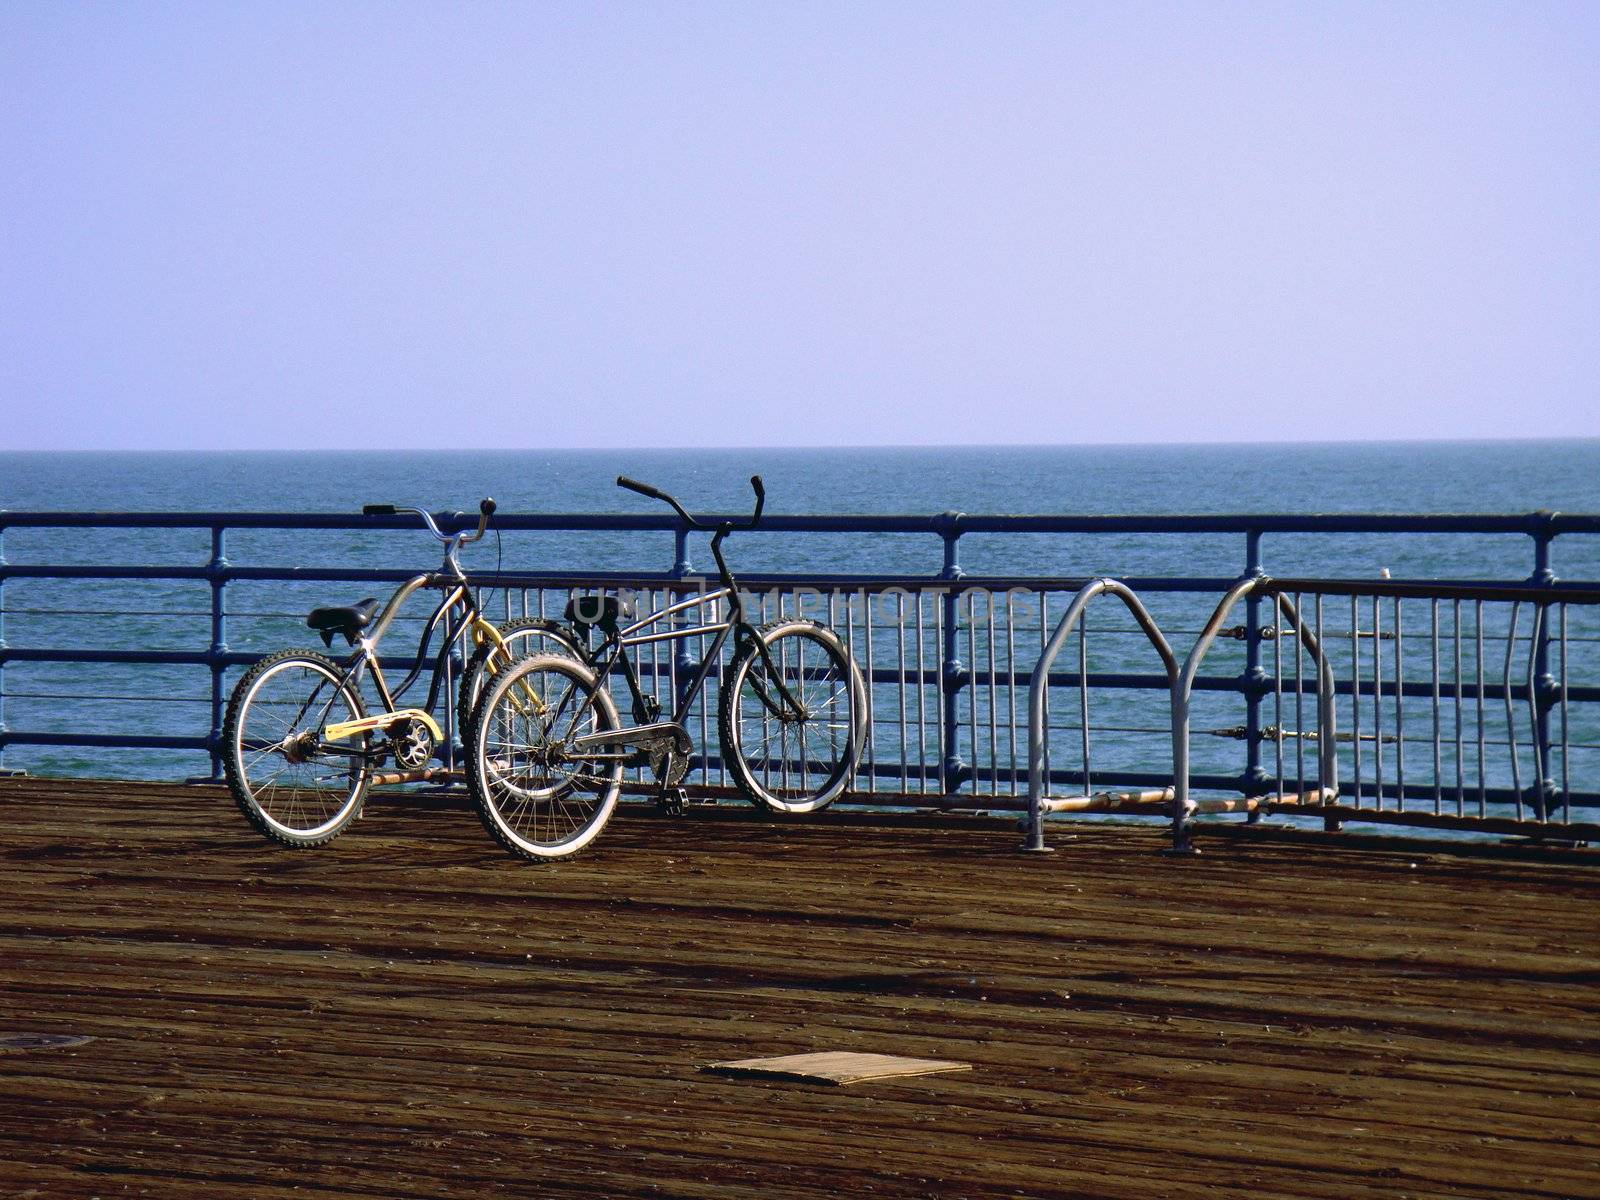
{"x":1442,"y":477}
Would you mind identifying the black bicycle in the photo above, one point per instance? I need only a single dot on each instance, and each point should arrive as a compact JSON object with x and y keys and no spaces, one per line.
{"x":300,"y":749}
{"x":549,"y":749}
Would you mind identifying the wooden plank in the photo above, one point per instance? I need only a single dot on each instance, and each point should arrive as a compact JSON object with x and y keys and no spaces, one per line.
{"x":410,"y":1013}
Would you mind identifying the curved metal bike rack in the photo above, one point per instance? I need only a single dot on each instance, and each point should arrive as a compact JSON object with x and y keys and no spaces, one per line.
{"x":1327,"y":788}
{"x":1038,"y":717}
{"x":1182,"y":806}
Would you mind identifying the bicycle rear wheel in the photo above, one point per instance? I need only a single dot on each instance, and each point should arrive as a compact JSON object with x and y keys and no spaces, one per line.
{"x":286,"y":786}
{"x":785,"y":759}
{"x":538,"y":794}
{"x":523,"y":636}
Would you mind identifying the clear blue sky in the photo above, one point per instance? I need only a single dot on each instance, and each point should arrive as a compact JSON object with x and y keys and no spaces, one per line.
{"x":409,"y":225}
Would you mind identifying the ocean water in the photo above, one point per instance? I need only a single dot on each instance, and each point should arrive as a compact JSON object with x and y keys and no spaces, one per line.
{"x":1516,"y":477}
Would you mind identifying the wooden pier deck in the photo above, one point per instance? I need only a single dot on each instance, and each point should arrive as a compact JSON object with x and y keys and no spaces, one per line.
{"x":410,"y":1013}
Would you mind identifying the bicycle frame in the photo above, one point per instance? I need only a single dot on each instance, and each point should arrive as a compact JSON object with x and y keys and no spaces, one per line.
{"x":365,"y":656}
{"x":632,"y":636}
{"x":457,"y":589}
{"x":613,"y":653}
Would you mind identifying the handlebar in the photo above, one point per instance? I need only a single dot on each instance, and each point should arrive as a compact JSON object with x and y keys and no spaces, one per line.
{"x":644,"y":489}
{"x":655,"y":493}
{"x":486,"y":509}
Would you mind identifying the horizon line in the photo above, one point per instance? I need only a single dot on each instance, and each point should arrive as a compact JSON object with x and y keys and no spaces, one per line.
{"x":857,"y":447}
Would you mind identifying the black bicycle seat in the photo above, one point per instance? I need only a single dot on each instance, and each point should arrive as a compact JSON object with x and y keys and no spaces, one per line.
{"x":349,"y":620}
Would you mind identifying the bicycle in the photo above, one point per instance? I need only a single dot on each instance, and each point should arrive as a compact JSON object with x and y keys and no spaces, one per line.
{"x":549,"y":749}
{"x":300,"y":749}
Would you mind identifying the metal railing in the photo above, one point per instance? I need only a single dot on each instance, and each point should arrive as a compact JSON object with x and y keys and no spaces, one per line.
{"x":99,"y":652}
{"x":1458,"y":705}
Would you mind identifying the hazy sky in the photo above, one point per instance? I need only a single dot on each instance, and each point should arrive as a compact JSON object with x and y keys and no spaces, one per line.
{"x":413,"y":225}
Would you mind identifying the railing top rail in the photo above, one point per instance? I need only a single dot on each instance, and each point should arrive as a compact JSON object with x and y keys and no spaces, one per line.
{"x":1584,"y":592}
{"x":1547,"y":524}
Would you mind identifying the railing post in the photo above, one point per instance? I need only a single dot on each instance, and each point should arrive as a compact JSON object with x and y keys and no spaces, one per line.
{"x":1255,"y":780}
{"x":681,"y":565}
{"x":217,"y":574}
{"x":4,"y":770}
{"x":1546,"y":691}
{"x":953,"y":771}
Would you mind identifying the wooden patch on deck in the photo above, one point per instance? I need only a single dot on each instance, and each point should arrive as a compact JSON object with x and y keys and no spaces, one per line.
{"x":835,"y":1067}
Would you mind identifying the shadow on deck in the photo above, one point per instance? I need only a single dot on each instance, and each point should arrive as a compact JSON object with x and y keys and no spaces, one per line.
{"x":411,"y":1013}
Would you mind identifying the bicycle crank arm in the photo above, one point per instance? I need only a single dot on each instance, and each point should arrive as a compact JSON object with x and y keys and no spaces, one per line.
{"x":340,"y":730}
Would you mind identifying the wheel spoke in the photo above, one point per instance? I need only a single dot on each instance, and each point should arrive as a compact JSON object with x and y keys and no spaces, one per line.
{"x":787,"y":760}
{"x":305,"y":802}
{"x":539,"y":796}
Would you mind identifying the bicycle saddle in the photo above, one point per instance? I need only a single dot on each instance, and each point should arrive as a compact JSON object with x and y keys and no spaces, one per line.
{"x":349,"y":620}
{"x":604,"y":611}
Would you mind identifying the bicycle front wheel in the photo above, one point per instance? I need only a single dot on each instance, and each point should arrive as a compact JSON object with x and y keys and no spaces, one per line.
{"x":540,"y":792}
{"x":794,"y":753}
{"x":290,"y":786}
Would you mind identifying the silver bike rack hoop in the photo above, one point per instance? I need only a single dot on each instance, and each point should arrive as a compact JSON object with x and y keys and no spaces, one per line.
{"x":1181,"y":686}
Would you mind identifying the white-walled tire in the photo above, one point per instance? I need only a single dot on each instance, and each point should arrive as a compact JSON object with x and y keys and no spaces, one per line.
{"x":537,"y":794}
{"x":288,"y":791}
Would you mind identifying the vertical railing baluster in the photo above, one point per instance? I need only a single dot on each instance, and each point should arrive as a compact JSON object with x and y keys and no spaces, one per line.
{"x":3,"y":648}
{"x":1461,"y":732}
{"x":925,"y":777}
{"x":871,"y":722}
{"x":217,"y":575}
{"x":1277,"y":704}
{"x":1083,"y":702}
{"x":994,"y":702}
{"x":1044,"y":637}
{"x":972,"y":693}
{"x":1299,"y":697}
{"x":900,"y":688}
{"x":1255,"y":677}
{"x":1399,"y":707}
{"x":654,"y":689}
{"x":1331,"y":758}
{"x":1511,"y":721}
{"x":1483,"y":770}
{"x":1439,"y":764}
{"x":1543,"y":576}
{"x":945,"y":748}
{"x":1377,"y":704}
{"x":703,"y":702}
{"x":1355,"y":694}
{"x":1540,"y":781}
{"x":1566,"y":741}
{"x":951,"y":769}
{"x":1011,"y":686}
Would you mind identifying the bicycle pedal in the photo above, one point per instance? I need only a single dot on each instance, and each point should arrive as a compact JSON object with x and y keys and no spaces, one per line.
{"x":673,"y":802}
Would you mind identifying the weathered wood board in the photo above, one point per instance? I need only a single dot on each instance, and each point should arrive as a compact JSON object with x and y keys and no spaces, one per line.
{"x":411,"y":1013}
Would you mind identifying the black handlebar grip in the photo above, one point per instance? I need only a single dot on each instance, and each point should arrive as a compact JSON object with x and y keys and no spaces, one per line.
{"x":760,"y":490}
{"x":377,"y":510}
{"x":487,"y":506}
{"x":644,"y":489}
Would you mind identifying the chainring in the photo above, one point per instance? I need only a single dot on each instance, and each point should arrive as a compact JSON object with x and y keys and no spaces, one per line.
{"x":412,"y":744}
{"x":668,"y":765}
